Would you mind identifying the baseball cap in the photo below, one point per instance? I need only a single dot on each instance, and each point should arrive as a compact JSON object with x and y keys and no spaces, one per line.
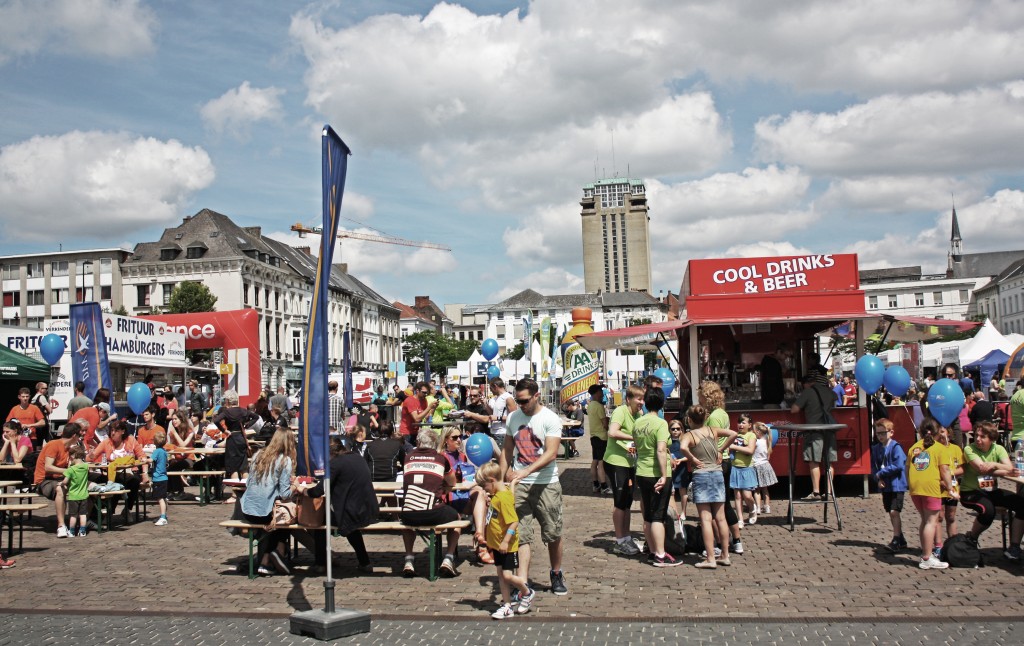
{"x":103,"y":406}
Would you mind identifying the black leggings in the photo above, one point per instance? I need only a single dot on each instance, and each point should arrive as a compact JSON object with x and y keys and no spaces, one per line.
{"x":271,"y":541}
{"x":985,"y":503}
{"x":620,"y":479}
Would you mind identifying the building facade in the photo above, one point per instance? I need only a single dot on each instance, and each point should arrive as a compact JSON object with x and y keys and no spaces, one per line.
{"x":244,"y":269}
{"x":616,"y":238}
{"x":908,"y":291}
{"x":43,"y":285}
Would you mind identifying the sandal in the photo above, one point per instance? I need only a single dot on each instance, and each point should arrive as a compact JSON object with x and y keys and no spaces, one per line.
{"x":705,"y":565}
{"x":725,"y":562}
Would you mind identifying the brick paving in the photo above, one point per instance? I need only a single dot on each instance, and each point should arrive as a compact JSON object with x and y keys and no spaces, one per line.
{"x":814,"y":573}
{"x":204,"y":631}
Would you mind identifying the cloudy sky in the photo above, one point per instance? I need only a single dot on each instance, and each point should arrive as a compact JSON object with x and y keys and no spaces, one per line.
{"x":759,"y":128}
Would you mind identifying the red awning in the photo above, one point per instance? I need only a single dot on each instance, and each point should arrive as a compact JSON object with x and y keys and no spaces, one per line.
{"x":630,"y":337}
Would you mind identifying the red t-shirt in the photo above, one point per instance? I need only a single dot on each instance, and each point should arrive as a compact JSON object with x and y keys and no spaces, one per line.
{"x":408,"y":424}
{"x":56,"y":450}
{"x":849,"y":395}
{"x":423,"y":479}
{"x":26,"y":416}
{"x":90,"y":414}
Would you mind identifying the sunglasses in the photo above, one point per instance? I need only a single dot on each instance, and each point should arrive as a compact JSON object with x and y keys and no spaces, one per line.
{"x":524,"y":402}
{"x":675,"y":428}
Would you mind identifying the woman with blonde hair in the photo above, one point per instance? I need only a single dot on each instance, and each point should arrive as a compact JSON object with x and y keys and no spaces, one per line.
{"x":712,"y":399}
{"x":270,"y":479}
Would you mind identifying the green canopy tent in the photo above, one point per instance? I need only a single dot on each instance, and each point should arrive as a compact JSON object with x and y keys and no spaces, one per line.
{"x":17,"y":371}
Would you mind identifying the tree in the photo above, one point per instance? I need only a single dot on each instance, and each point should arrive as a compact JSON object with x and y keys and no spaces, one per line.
{"x":444,"y":351}
{"x":516,"y":352}
{"x":191,"y":296}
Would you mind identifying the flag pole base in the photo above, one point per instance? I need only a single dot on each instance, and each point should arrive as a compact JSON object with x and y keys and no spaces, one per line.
{"x":328,"y":626}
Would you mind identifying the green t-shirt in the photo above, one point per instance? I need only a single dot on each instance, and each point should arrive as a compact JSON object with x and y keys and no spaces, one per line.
{"x":719,"y":419}
{"x":596,"y":415}
{"x":1017,"y":415}
{"x":443,"y":408}
{"x":616,"y":453}
{"x":78,"y":481}
{"x":742,"y":459}
{"x":969,"y":481}
{"x":647,"y":432}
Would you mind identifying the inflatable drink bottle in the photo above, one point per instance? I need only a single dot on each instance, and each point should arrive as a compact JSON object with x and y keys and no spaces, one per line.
{"x":579,"y":366}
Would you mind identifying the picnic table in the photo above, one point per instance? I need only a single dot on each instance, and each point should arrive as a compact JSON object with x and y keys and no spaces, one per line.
{"x":830,"y":496}
{"x":7,"y":513}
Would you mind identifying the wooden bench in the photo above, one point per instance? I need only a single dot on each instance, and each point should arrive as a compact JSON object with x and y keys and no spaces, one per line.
{"x":431,"y":533}
{"x":9,"y":510}
{"x":108,"y":497}
{"x":567,"y":445}
{"x":205,"y":490}
{"x":256,"y":533}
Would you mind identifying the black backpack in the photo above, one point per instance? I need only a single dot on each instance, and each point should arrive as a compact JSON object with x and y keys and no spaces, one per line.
{"x":961,"y":551}
{"x":689,"y":542}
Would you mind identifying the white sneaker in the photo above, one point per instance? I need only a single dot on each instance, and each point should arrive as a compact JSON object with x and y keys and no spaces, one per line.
{"x":160,"y":522}
{"x":753,"y":519}
{"x":62,"y":532}
{"x":932,"y":564}
{"x":739,"y":523}
{"x":767,"y":509}
{"x":504,"y":612}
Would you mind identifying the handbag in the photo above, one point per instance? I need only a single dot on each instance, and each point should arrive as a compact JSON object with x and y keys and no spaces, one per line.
{"x":312,"y":511}
{"x":284,"y":514}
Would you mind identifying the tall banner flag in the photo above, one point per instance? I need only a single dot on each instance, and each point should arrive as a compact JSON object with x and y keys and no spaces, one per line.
{"x":426,"y":365}
{"x":545,"y":338}
{"x":528,"y":339}
{"x":313,"y":415}
{"x":346,"y":349}
{"x":89,"y":348}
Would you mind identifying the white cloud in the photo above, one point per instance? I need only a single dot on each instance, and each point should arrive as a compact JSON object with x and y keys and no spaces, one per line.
{"x":237,"y":109}
{"x":975,"y":130}
{"x":888,"y":194}
{"x":100,"y":28}
{"x":552,"y":280}
{"x":96,"y":184}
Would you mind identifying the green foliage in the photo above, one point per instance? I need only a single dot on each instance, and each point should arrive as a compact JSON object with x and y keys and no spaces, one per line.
{"x":121,"y":311}
{"x":516,"y":352}
{"x":191,"y":296}
{"x":445,"y":351}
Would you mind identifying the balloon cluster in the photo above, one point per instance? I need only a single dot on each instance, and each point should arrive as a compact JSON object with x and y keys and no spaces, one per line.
{"x":872,"y":374}
{"x":489,"y":348}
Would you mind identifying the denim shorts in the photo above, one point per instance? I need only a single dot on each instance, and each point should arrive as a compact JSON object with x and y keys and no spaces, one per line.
{"x":708,"y":487}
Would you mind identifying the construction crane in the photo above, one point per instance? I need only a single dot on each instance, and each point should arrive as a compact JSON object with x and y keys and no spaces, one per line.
{"x":368,"y":237}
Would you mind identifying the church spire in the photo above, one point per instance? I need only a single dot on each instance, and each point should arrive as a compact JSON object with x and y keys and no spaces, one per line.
{"x":956,"y":249}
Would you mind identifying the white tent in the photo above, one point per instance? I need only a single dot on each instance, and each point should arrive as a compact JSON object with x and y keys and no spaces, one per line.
{"x":984,"y":343}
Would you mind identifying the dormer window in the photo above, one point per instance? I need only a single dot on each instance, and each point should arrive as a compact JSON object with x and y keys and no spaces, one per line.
{"x":195,"y":250}
{"x":169,"y":253}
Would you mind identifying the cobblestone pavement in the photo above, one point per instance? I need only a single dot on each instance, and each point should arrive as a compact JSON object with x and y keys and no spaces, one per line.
{"x":202,"y":631}
{"x":813,"y":574}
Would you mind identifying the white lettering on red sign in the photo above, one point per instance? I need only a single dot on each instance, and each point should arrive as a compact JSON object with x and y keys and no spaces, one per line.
{"x":196,"y":332}
{"x":778,"y":275}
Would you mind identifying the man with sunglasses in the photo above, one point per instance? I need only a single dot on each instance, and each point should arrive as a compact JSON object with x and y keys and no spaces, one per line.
{"x":415,"y":409}
{"x":528,"y":460}
{"x":477,"y":413}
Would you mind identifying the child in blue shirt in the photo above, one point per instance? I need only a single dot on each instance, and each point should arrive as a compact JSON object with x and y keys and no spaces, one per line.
{"x":159,"y":471}
{"x":888,"y":464}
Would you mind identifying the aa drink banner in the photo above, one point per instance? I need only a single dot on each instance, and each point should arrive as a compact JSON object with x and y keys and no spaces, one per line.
{"x":89,"y":348}
{"x":313,"y":416}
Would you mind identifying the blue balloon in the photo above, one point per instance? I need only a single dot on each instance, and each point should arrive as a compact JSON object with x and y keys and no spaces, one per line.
{"x":897,"y":380}
{"x":51,"y":347}
{"x":668,"y":380}
{"x":775,"y":435}
{"x":869,"y":372}
{"x":479,"y":449}
{"x":945,"y":401}
{"x":493,"y":372}
{"x":489,"y":348}
{"x":139,"y":396}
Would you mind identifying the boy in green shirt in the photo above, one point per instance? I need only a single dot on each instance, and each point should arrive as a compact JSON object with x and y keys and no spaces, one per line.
{"x":76,"y":482}
{"x":620,"y":467}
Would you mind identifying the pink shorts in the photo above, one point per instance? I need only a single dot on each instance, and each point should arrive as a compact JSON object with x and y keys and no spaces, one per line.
{"x":927,"y":503}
